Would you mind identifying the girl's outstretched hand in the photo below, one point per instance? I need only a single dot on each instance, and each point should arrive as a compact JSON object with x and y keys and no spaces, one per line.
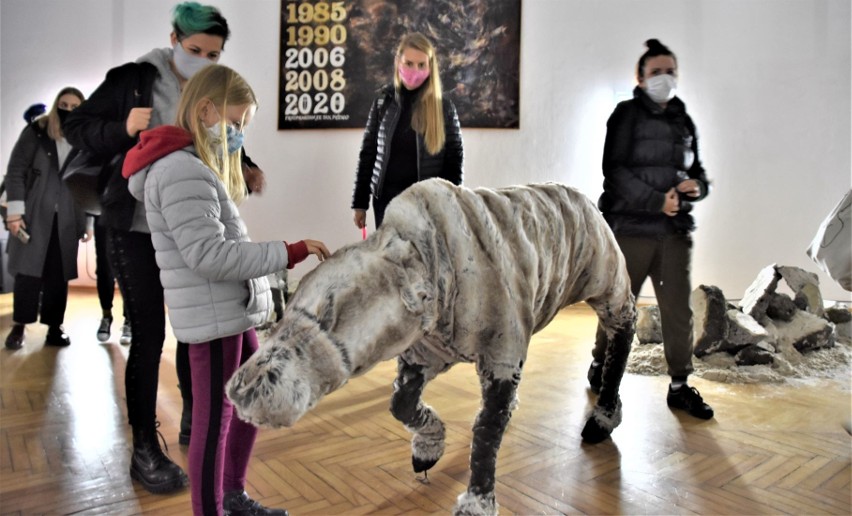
{"x":318,"y":248}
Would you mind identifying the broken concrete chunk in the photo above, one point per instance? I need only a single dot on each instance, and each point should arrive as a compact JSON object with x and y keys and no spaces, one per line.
{"x":838,"y":314}
{"x":648,"y":327}
{"x":754,"y":355}
{"x":805,"y":286}
{"x":841,"y":317}
{"x":781,"y":307}
{"x":805,"y":332}
{"x":757,"y":296}
{"x":743,"y":330}
{"x":709,"y":324}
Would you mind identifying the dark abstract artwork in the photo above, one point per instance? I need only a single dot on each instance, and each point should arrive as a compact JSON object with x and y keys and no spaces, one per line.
{"x":336,"y":55}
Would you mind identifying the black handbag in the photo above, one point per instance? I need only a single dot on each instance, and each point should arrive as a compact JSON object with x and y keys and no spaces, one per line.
{"x":82,"y":175}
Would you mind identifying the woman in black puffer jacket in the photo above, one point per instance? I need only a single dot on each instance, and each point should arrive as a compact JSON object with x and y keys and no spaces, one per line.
{"x":652,"y":175}
{"x":412,"y":132}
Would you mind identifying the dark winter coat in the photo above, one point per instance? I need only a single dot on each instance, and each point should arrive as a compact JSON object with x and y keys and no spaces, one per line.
{"x":34,"y":177}
{"x":375,"y":149}
{"x":98,"y":125}
{"x":648,"y":151}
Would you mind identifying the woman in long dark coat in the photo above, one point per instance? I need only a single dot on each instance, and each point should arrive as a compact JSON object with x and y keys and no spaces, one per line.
{"x":41,"y":206}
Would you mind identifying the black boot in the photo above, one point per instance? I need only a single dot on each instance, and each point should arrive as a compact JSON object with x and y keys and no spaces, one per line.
{"x":150,"y":466}
{"x":15,"y":339}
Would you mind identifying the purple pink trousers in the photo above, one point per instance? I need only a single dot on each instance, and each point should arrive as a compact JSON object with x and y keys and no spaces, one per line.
{"x":220,"y":443}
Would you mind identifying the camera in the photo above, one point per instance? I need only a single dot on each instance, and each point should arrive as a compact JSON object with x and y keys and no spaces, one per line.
{"x":22,"y":235}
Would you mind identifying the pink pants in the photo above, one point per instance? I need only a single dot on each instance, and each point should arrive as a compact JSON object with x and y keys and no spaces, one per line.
{"x":220,"y":443}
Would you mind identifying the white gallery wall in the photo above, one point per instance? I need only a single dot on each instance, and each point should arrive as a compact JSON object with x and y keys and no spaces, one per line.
{"x":766,"y":81}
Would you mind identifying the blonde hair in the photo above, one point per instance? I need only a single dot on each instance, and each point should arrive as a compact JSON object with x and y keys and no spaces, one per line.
{"x":428,"y":116}
{"x":223,"y":87}
{"x":51,"y":120}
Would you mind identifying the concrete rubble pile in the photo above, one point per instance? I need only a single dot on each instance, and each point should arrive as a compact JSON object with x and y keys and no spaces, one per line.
{"x":766,"y":327}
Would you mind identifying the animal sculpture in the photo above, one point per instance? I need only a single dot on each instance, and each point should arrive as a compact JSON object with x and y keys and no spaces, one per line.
{"x":453,"y":275}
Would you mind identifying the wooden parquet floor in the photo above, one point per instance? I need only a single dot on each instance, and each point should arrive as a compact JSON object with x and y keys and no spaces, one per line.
{"x":771,"y":449}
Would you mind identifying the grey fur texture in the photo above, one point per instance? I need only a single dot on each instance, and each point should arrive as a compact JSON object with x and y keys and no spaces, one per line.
{"x":453,"y":275}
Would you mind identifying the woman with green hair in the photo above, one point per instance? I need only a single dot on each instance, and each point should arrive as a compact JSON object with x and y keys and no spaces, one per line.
{"x":135,"y":97}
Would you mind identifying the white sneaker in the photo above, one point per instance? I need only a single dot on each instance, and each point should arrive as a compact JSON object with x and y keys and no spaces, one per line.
{"x":126,"y":334}
{"x":103,"y":329}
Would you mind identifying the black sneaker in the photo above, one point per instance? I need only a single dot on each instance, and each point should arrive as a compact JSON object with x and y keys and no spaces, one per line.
{"x":238,"y":503}
{"x":687,"y":398}
{"x":595,"y":377}
{"x":15,"y":339}
{"x":104,"y":329}
{"x":56,"y":336}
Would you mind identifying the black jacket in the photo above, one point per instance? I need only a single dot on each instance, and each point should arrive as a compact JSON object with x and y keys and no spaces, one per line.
{"x":375,"y":149}
{"x":648,"y":151}
{"x":98,"y":125}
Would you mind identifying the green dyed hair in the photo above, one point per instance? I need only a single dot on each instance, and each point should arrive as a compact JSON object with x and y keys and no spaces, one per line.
{"x":190,"y":18}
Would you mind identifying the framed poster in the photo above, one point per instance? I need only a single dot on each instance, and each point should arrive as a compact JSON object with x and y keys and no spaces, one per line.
{"x":335,"y":55}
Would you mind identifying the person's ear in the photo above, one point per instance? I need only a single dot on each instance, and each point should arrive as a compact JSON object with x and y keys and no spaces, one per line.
{"x":205,"y":111}
{"x":173,"y":38}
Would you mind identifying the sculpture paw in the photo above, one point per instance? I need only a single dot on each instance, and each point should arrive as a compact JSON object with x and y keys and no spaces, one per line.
{"x":470,"y":504}
{"x":593,"y":432}
{"x":421,"y":465}
{"x":601,"y":423}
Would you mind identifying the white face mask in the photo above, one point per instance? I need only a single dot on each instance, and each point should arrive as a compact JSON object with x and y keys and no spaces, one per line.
{"x":187,"y":64}
{"x":661,"y":88}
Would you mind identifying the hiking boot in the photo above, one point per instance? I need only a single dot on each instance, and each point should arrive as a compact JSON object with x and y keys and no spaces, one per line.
{"x":15,"y":339}
{"x":103,"y":329}
{"x":151,"y":467}
{"x":238,"y":503}
{"x":595,"y":376}
{"x":56,"y":336}
{"x":687,"y":398}
{"x":126,"y":334}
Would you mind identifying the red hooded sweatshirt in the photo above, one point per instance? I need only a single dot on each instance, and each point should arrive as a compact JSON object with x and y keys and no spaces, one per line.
{"x":153,"y":145}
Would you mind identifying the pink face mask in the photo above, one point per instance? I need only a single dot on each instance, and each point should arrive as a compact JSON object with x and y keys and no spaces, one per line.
{"x":411,"y":78}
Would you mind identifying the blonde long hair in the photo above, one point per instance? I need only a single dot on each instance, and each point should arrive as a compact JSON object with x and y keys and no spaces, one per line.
{"x":428,"y":116}
{"x":51,"y":120}
{"x":223,"y":87}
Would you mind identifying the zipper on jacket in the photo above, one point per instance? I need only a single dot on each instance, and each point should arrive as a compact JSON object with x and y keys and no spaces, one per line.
{"x":395,"y":121}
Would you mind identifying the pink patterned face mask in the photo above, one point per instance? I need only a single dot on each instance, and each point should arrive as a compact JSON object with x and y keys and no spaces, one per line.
{"x":411,"y":78}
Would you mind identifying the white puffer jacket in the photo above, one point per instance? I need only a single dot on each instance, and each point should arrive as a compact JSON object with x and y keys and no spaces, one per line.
{"x":213,"y":275}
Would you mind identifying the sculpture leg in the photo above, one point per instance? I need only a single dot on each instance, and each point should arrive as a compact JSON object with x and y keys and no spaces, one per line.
{"x":498,"y":395}
{"x":619,"y":325}
{"x":427,"y":442}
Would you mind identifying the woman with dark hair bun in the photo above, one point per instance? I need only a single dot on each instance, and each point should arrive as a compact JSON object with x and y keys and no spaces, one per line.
{"x":652,"y":176}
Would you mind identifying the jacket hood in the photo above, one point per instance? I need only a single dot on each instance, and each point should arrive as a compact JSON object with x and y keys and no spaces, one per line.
{"x":160,"y":58}
{"x":153,"y":145}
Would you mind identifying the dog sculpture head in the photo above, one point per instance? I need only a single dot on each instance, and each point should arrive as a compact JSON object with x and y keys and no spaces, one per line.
{"x":367,"y":303}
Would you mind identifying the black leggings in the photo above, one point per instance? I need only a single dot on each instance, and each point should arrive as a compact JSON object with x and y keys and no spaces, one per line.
{"x":103,"y":271}
{"x":132,"y":260}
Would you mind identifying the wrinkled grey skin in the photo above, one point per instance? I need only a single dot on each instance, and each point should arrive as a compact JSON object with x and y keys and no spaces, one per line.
{"x":453,"y":275}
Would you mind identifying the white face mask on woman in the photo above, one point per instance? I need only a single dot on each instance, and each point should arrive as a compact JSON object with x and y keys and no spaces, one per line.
{"x":661,"y":88}
{"x":187,"y":64}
